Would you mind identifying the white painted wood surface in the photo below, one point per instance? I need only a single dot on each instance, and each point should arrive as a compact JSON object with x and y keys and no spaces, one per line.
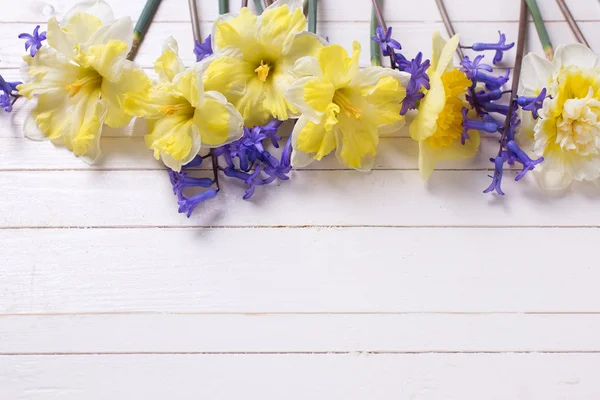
{"x":335,"y":285}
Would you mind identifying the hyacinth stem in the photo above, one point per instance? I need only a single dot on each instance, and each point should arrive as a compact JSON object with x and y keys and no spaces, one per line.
{"x":517,"y":70}
{"x":195,"y":20}
{"x":259,"y":7}
{"x":375,"y":48}
{"x":223,"y":6}
{"x":312,"y":16}
{"x":448,"y":24}
{"x":142,"y":25}
{"x":541,"y":28}
{"x":379,"y":14}
{"x":572,"y":23}
{"x":244,"y":3}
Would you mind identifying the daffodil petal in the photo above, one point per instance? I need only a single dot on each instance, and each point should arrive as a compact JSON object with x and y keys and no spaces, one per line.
{"x":311,"y":141}
{"x":575,"y":54}
{"x":303,"y":44}
{"x":228,"y":74}
{"x":119,"y":30}
{"x":337,"y":66}
{"x":356,"y":143}
{"x":277,"y":26}
{"x":291,"y":4}
{"x":535,"y":74}
{"x":369,"y":79}
{"x":311,"y":96}
{"x":106,"y":59}
{"x":307,"y":67}
{"x":48,"y":71}
{"x":132,"y":80}
{"x":446,"y":60}
{"x":98,"y":8}
{"x":425,"y":123}
{"x":174,"y":139}
{"x":218,"y":121}
{"x":189,"y":83}
{"x":437,"y":45}
{"x":48,"y":117}
{"x":169,"y":64}
{"x":234,"y":30}
{"x":79,"y":28}
{"x":429,"y":156}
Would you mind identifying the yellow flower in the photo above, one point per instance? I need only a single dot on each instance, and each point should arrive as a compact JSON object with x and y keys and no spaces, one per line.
{"x":80,"y":79}
{"x":567,"y":133}
{"x":438,"y":124}
{"x":343,"y":107}
{"x":181,"y":115}
{"x":255,"y":56}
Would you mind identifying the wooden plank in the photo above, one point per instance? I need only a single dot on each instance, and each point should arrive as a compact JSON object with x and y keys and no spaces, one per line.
{"x":340,"y":198}
{"x":330,"y":10}
{"x":196,"y":333}
{"x":414,"y":37}
{"x":131,"y":154}
{"x":284,"y":270}
{"x":302,"y":376}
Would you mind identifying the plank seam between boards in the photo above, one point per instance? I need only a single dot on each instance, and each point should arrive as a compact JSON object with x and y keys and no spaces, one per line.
{"x":116,"y":227}
{"x":253,"y":353}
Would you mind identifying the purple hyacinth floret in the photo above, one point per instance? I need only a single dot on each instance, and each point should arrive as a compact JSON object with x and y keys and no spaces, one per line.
{"x":488,"y":124}
{"x":187,"y":205}
{"x":34,"y":42}
{"x":471,"y":68}
{"x":204,"y":49}
{"x":515,"y":153}
{"x":387,"y":44}
{"x":500,"y":47}
{"x":417,"y":68}
{"x":252,"y":180}
{"x":8,"y":92}
{"x":532,"y":104}
{"x":497,"y":178}
{"x":494,"y":107}
{"x":491,"y":82}
{"x":270,"y":130}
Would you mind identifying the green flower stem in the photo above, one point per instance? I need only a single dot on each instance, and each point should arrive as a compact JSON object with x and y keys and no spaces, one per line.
{"x":223,"y":6}
{"x":541,"y":28}
{"x":142,"y":25}
{"x":375,"y":48}
{"x":259,"y":7}
{"x":312,"y":16}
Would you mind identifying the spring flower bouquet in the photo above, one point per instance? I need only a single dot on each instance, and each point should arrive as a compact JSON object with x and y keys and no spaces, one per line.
{"x":257,"y":70}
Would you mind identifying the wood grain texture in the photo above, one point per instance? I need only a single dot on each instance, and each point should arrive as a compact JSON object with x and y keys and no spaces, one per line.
{"x":334,"y":285}
{"x":302,"y":376}
{"x":306,"y":270}
{"x":298,"y":333}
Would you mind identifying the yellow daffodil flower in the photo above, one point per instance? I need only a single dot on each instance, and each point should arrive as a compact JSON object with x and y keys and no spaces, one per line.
{"x":255,"y":55}
{"x":567,"y":132}
{"x":181,"y":115}
{"x":80,"y":78}
{"x":438,"y":124}
{"x":343,"y":107}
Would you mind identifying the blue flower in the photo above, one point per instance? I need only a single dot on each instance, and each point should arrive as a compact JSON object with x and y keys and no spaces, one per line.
{"x":500,"y":47}
{"x":497,"y":178}
{"x":494,"y":107}
{"x":489,"y":124}
{"x":532,"y":104}
{"x":252,"y":180}
{"x":188,"y":204}
{"x":491,"y":82}
{"x":34,"y":42}
{"x":471,"y":68}
{"x":385,"y":41}
{"x":279,"y":168}
{"x":203,"y":50}
{"x":8,"y":92}
{"x":270,"y":130}
{"x":515,"y":153}
{"x":417,"y":68}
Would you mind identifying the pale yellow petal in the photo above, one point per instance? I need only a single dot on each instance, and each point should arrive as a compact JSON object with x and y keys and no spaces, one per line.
{"x":107,"y":59}
{"x":49,"y":71}
{"x":575,"y":54}
{"x":218,"y":121}
{"x":311,"y":96}
{"x":446,"y":60}
{"x":312,"y":139}
{"x":169,"y":64}
{"x":235,"y":31}
{"x":133,"y":82}
{"x":97,"y":8}
{"x":79,"y":28}
{"x":304,"y":44}
{"x":536,"y":73}
{"x":277,"y":27}
{"x":189,"y":84}
{"x":357,"y":142}
{"x":228,"y":75}
{"x":429,"y":156}
{"x":173,"y":139}
{"x":425,"y":123}
{"x":337,"y":66}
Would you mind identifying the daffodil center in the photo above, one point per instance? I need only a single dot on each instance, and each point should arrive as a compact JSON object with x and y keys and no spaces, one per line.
{"x":92,"y":80}
{"x":172,"y":109}
{"x":263,"y":70}
{"x":343,"y":101}
{"x":449,"y":122}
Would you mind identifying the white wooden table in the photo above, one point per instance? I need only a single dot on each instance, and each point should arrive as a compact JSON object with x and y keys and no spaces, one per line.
{"x":335,"y":285}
